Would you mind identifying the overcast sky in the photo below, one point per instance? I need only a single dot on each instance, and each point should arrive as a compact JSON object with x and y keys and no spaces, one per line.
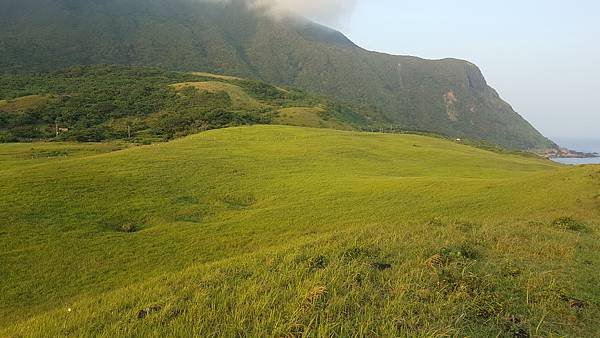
{"x":543,"y":57}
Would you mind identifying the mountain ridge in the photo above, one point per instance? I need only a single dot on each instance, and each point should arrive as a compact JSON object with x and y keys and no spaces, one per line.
{"x":447,"y":96}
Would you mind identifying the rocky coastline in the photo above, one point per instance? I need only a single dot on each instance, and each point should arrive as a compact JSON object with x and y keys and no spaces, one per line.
{"x":567,"y":153}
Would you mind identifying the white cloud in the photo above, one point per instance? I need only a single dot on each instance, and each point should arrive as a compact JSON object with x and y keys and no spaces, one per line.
{"x":326,"y":11}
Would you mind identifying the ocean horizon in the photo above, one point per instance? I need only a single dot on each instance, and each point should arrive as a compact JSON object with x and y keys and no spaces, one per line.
{"x":588,"y":145}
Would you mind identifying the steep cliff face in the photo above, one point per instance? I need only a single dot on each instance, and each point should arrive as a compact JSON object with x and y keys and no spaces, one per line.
{"x":446,"y":96}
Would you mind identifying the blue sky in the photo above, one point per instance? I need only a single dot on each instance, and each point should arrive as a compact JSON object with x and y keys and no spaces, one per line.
{"x":543,"y":57}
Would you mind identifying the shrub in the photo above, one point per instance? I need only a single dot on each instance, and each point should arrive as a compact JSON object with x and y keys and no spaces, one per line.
{"x":318,"y":262}
{"x":460,"y":252}
{"x":452,"y":254}
{"x":568,"y":223}
{"x":6,"y":137}
{"x":127,"y":228}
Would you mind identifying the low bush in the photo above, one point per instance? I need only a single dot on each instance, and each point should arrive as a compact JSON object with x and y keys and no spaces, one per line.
{"x":568,"y":223}
{"x":127,"y":228}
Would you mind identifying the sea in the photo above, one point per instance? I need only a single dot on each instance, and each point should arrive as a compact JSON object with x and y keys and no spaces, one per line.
{"x":586,"y":145}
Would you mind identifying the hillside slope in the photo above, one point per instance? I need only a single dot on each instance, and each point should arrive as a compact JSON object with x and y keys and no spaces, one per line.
{"x":287,"y":231}
{"x":445,"y":96}
{"x":140,"y":104}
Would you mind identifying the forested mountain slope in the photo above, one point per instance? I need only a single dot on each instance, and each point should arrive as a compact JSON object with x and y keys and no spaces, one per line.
{"x":140,"y":104}
{"x":445,"y":96}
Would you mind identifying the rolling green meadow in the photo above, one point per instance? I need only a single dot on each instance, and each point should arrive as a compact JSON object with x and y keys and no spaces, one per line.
{"x":144,"y":193}
{"x":281,"y":231}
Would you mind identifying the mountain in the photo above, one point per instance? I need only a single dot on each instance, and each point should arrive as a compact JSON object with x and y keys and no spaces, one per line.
{"x":445,"y":96}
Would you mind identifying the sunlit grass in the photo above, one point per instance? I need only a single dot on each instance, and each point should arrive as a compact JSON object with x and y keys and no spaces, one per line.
{"x":240,"y":99}
{"x":23,"y":103}
{"x":276,"y":231}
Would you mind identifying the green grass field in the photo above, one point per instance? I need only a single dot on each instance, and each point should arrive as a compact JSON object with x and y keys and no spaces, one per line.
{"x":240,"y":99}
{"x":312,"y":117}
{"x":288,"y":231}
{"x":23,"y":103}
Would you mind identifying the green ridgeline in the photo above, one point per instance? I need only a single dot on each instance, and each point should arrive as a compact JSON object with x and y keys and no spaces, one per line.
{"x":446,"y":96}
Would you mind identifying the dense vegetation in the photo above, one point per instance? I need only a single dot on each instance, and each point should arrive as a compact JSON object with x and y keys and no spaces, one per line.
{"x":286,"y":231}
{"x":142,"y":104}
{"x":450,"y":97}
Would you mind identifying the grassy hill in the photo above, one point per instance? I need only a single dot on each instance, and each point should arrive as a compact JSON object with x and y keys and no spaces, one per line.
{"x":96,"y":103}
{"x":444,"y":96}
{"x":287,"y":231}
